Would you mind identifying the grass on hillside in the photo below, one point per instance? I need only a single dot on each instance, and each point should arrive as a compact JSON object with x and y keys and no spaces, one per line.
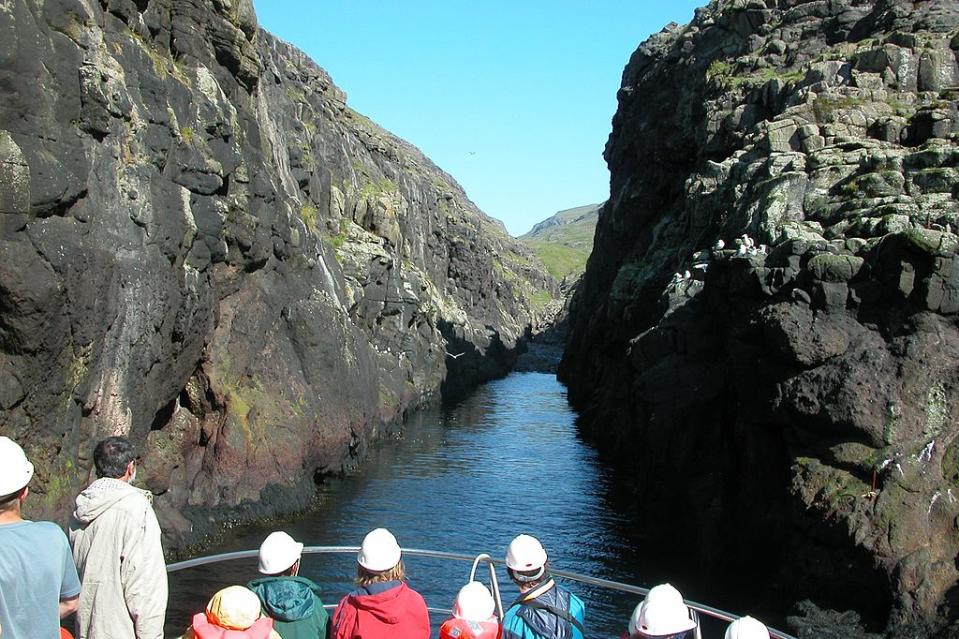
{"x":565,"y":247}
{"x":560,"y":260}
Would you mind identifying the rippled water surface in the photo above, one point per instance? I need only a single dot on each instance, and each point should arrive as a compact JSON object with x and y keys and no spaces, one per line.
{"x":504,"y":461}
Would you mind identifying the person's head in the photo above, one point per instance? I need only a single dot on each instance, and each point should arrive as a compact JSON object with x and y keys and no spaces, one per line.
{"x":234,"y":608}
{"x":16,"y":471}
{"x":379,"y":559}
{"x":747,"y":628}
{"x":526,"y":562}
{"x":474,"y":602}
{"x":662,"y":614}
{"x":280,"y":555}
{"x":115,"y":457}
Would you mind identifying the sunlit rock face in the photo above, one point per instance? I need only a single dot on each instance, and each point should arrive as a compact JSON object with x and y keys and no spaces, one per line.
{"x":787,"y":402}
{"x":205,"y":249}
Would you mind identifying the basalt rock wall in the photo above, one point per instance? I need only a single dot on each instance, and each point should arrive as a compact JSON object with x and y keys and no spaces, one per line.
{"x":787,"y":401}
{"x":203,"y":247}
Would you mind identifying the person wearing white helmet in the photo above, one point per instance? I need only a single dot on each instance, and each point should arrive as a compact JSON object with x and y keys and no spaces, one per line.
{"x":474,"y":615}
{"x":38,"y":579}
{"x":544,"y":610}
{"x":663,"y":615}
{"x":747,"y":628}
{"x":383,"y":606}
{"x":293,"y":602}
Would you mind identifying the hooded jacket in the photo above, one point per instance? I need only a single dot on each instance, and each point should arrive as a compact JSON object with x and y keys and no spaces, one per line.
{"x":294,"y":605}
{"x":395,"y":613}
{"x":530,"y":618}
{"x":116,"y":545}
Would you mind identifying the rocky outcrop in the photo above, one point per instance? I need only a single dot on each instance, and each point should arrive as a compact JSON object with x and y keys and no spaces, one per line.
{"x":205,"y":248}
{"x":787,"y":401}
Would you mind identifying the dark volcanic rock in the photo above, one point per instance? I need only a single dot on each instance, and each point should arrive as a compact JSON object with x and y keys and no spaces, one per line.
{"x":789,"y":407}
{"x":202,"y":246}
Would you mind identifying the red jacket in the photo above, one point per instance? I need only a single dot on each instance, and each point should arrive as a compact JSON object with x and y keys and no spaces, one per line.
{"x":396,"y":613}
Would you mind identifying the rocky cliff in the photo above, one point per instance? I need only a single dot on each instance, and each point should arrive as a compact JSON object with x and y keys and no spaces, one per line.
{"x":786,"y":400}
{"x":205,"y":248}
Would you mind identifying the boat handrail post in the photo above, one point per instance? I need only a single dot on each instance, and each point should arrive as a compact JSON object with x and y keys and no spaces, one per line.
{"x":494,"y":584}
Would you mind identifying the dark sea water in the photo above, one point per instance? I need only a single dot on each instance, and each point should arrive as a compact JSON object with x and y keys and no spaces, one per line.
{"x":467,"y":479}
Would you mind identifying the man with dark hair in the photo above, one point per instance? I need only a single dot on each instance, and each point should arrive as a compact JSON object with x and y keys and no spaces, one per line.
{"x":116,"y":544}
{"x":38,"y":581}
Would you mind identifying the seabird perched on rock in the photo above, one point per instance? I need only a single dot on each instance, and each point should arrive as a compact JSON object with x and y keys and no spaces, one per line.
{"x":687,"y":275}
{"x":720,"y":245}
{"x":742,"y":250}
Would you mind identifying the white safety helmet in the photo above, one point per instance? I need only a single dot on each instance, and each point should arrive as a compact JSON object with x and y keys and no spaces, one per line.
{"x":379,"y":551}
{"x":474,"y":602}
{"x":662,"y":612}
{"x":15,"y":469}
{"x":747,"y":628}
{"x":526,"y":554}
{"x":278,"y":552}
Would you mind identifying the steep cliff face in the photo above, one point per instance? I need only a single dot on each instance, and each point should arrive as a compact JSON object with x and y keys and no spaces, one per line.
{"x":789,"y":407}
{"x":204,"y":248}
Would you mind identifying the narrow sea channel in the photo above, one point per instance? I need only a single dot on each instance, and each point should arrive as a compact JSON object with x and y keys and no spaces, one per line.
{"x":467,"y":479}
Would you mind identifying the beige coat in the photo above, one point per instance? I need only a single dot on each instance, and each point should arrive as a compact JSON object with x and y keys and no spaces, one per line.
{"x":116,"y":545}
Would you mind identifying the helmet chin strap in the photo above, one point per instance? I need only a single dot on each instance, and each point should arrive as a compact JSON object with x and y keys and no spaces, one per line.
{"x":525,"y":578}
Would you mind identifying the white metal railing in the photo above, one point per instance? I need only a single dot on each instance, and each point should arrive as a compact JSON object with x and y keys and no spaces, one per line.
{"x":696,"y":607}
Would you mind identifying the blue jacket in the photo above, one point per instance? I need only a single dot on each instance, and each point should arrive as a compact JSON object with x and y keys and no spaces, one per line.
{"x":527,"y":619}
{"x":294,"y":604}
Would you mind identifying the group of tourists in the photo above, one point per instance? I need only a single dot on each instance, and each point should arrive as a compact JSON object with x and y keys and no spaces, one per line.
{"x":383,"y":605}
{"x":111,"y":574}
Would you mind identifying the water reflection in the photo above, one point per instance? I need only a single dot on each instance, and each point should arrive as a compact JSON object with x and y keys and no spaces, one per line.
{"x":505,"y":460}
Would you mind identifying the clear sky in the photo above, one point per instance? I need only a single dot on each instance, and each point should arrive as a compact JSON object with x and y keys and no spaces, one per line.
{"x":513,"y":98}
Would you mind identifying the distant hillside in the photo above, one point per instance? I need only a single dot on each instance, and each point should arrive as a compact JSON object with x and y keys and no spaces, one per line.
{"x":565,"y":240}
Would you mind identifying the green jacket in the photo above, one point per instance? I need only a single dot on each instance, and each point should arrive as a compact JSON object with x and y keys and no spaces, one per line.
{"x":294,"y":604}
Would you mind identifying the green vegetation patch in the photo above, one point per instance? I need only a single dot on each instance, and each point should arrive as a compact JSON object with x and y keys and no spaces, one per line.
{"x":825,"y":107}
{"x":339,"y":238}
{"x":565,"y":245}
{"x":376,"y":188}
{"x":309,"y":214}
{"x":540,"y":299}
{"x":723,"y":73}
{"x":719,"y":70}
{"x":560,"y":260}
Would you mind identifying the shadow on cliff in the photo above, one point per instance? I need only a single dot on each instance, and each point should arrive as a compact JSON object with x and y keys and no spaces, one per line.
{"x":474,"y":359}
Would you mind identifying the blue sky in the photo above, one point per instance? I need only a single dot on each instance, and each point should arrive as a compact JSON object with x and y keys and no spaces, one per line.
{"x":513,"y":99}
